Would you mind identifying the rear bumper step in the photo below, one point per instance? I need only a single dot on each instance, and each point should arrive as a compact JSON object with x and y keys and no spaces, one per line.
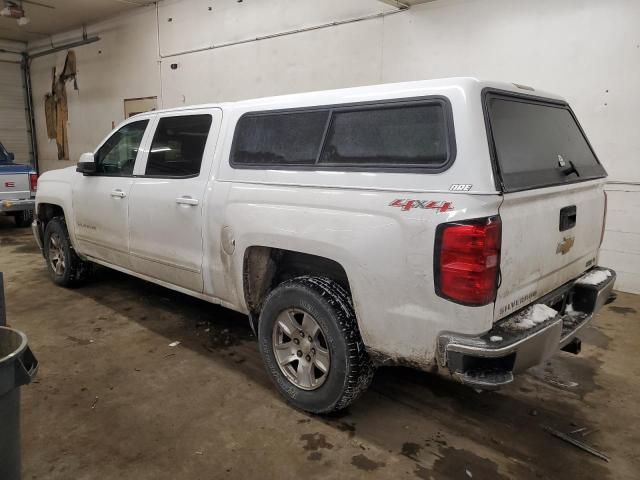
{"x":490,"y":360}
{"x":17,"y":205}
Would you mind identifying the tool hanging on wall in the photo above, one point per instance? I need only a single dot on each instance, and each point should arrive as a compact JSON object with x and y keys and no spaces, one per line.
{"x":55,"y":105}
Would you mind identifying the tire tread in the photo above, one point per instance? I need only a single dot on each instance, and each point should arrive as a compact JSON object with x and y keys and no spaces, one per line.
{"x":360,"y":369}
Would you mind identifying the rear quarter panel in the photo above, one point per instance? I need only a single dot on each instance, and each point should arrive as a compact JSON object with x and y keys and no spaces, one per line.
{"x":386,"y":251}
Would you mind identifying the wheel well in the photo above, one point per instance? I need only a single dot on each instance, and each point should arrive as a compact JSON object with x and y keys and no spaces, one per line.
{"x":47,"y":211}
{"x":266,"y":267}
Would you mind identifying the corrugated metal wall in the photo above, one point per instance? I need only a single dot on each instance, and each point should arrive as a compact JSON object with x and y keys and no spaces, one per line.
{"x":14,"y":133}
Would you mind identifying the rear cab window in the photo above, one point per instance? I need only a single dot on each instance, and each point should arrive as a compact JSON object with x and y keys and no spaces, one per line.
{"x":178,"y":146}
{"x":537,"y":143}
{"x":391,"y":136}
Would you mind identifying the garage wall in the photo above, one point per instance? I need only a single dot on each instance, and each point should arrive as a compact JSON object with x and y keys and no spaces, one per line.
{"x":586,"y":50}
{"x":123,"y":64}
{"x":14,"y":132}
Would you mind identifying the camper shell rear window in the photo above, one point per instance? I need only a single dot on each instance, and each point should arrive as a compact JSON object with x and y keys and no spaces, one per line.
{"x":536,"y":143}
{"x":402,"y":135}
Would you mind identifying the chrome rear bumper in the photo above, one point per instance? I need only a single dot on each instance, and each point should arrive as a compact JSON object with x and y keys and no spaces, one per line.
{"x":17,"y":205}
{"x":490,"y":360}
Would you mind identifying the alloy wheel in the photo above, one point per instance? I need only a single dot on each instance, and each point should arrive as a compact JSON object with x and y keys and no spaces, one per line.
{"x":301,"y":349}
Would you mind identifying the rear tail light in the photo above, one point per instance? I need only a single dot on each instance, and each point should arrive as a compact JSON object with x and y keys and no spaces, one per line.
{"x":33,"y":182}
{"x":604,"y":218}
{"x":467,"y":260}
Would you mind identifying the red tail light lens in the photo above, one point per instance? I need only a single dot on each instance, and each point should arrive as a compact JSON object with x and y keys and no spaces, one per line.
{"x":467,"y":260}
{"x":33,"y":181}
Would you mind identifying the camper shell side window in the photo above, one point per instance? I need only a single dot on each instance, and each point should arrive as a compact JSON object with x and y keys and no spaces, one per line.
{"x":414,"y":135}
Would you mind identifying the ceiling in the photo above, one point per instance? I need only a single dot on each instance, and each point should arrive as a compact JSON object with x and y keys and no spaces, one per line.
{"x":68,"y":14}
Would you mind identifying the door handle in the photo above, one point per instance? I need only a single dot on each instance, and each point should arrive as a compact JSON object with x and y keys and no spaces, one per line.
{"x":117,"y":193}
{"x":184,"y":200}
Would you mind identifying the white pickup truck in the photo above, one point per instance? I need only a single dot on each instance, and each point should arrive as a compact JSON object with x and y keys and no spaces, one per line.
{"x":448,"y":223}
{"x":18,"y":184}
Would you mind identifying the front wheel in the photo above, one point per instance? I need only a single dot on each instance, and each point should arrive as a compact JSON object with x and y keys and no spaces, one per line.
{"x":65,"y":267}
{"x":311,"y":345}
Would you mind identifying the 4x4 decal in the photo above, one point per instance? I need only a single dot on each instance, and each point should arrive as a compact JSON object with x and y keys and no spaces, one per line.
{"x":407,"y":204}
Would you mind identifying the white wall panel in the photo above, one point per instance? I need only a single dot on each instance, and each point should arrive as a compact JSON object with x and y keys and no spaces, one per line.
{"x":621,"y":245}
{"x":346,"y":55}
{"x":189,"y":24}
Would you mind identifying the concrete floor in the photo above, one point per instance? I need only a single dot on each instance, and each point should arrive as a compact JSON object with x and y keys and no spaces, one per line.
{"x":114,"y":401}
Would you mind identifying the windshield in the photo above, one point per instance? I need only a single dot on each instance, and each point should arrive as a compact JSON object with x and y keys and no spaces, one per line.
{"x":538,"y":144}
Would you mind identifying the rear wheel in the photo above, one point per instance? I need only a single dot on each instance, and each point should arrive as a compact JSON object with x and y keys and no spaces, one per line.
{"x":23,"y":218}
{"x":64,"y":265}
{"x":311,"y":345}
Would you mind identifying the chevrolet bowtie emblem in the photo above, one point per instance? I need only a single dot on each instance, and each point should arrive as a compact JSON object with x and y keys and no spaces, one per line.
{"x":565,"y":245}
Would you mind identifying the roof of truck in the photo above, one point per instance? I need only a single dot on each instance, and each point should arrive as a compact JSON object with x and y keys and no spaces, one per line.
{"x":368,"y":92}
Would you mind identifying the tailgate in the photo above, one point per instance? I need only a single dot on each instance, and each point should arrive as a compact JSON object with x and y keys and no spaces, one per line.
{"x":554,"y":203}
{"x":549,"y":237}
{"x":14,"y":182}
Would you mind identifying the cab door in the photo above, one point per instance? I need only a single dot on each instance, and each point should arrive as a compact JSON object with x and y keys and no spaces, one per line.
{"x":166,"y":203}
{"x":101,"y":200}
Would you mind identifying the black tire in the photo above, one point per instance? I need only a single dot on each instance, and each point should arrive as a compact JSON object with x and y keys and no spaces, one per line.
{"x":351,"y":370}
{"x":23,"y":218}
{"x":74,"y":271}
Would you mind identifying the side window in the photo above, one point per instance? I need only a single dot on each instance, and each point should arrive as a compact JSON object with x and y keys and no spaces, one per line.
{"x":178,"y":145}
{"x":279,"y":138}
{"x":414,"y":136}
{"x":117,"y":155}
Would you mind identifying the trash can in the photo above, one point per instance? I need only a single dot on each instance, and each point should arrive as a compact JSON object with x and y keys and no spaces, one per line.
{"x":17,"y":367}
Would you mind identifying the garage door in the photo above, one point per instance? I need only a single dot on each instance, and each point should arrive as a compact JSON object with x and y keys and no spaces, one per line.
{"x":14,"y":133}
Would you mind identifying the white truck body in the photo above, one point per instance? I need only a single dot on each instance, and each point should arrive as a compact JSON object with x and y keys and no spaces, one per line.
{"x":199,"y":234}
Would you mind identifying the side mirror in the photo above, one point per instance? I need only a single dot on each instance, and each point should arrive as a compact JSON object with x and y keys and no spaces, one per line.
{"x":86,"y":164}
{"x":12,"y":157}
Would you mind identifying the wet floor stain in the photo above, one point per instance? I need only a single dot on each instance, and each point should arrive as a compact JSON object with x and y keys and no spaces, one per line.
{"x":349,"y":428}
{"x":314,"y":456}
{"x":365,"y":463}
{"x":623,"y":310}
{"x":79,"y":341}
{"x":411,"y":450}
{"x":315,"y":441}
{"x":422,"y":472}
{"x":570,"y":372}
{"x":224,"y":338}
{"x":463,"y":464}
{"x":27,"y":248}
{"x":595,"y":337}
{"x":8,"y":241}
